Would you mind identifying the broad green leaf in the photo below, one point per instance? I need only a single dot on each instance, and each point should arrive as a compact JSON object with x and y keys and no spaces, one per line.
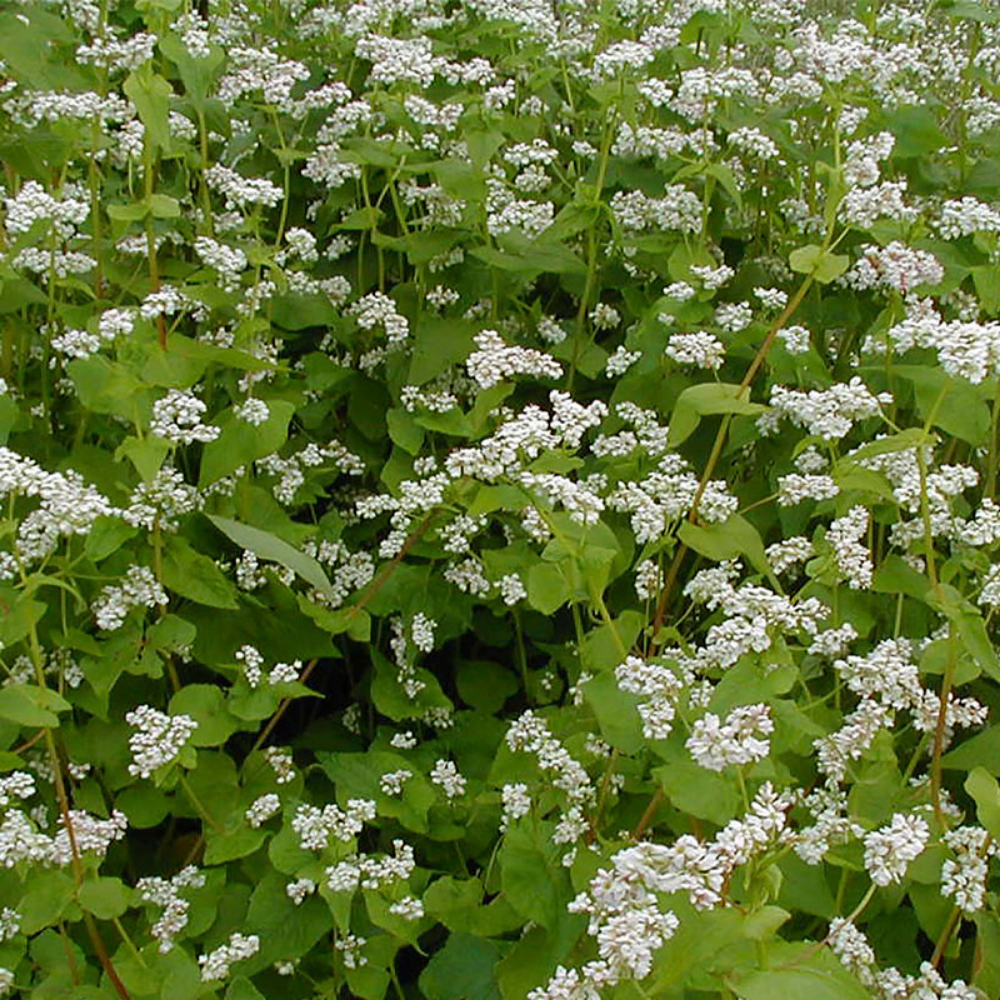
{"x":241,"y":443}
{"x":147,"y":454}
{"x":532,"y":875}
{"x":29,"y":705}
{"x":821,"y":264}
{"x":240,"y":988}
{"x":231,"y":844}
{"x":206,"y":704}
{"x":20,"y":615}
{"x":696,"y":791}
{"x":151,"y":95}
{"x":735,"y":536}
{"x":49,"y":894}
{"x":463,"y":968}
{"x":192,"y":575}
{"x":983,"y":749}
{"x":616,"y":712}
{"x":197,"y":73}
{"x":104,"y":897}
{"x":704,"y":399}
{"x":268,"y":546}
{"x":144,"y":805}
{"x":404,"y":430}
{"x":983,"y":788}
{"x":484,"y":685}
{"x":912,"y":437}
{"x":818,"y":976}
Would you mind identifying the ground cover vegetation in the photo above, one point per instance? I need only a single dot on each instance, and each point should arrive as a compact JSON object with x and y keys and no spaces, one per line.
{"x":499,"y":499}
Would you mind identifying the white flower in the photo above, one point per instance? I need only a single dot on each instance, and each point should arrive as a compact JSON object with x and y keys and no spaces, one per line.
{"x":715,"y":746}
{"x":177,"y":418}
{"x":890,"y":849}
{"x":158,"y":739}
{"x":445,"y":775}
{"x":215,"y":965}
{"x":701,"y":349}
{"x":262,"y":809}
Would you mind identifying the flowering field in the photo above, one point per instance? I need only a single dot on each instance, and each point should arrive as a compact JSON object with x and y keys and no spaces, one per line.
{"x":499,"y":499}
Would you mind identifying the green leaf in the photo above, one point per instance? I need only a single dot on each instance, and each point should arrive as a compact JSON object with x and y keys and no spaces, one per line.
{"x":531,"y":259}
{"x":147,"y":455}
{"x":241,"y":443}
{"x":987,"y":281}
{"x":404,"y":430}
{"x":820,"y":976}
{"x":242,"y":989}
{"x":197,"y":74}
{"x":266,"y":545}
{"x":192,"y":575}
{"x":484,"y":685}
{"x":983,"y":788}
{"x":913,"y":437}
{"x":144,"y":805}
{"x":206,"y":704}
{"x":47,"y":899}
{"x":463,"y":968}
{"x":162,"y":206}
{"x":231,"y":844}
{"x":531,"y":873}
{"x":151,"y":95}
{"x":107,"y":536}
{"x":616,"y":712}
{"x":983,"y":749}
{"x":962,"y":412}
{"x":28,"y":705}
{"x":733,"y":537}
{"x":821,"y":264}
{"x":548,"y":588}
{"x":104,"y":897}
{"x":704,"y":399}
{"x":20,"y":615}
{"x":695,"y":791}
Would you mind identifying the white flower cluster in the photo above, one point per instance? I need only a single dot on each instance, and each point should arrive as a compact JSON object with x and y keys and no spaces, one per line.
{"x":67,"y":505}
{"x":665,"y":495}
{"x":139,"y":588}
{"x":166,"y":894}
{"x":216,"y":964}
{"x":853,"y":558}
{"x":240,"y":191}
{"x":660,"y":686}
{"x":895,"y":266}
{"x":281,"y":763}
{"x":855,"y":953}
{"x":262,"y":809}
{"x":891,"y":848}
{"x":391,"y":783}
{"x":827,"y":413}
{"x":315,"y":826}
{"x":371,"y":872}
{"x":158,"y":738}
{"x":177,"y":418}
{"x":493,"y":361}
{"x":964,"y":877}
{"x":445,"y":775}
{"x":680,"y":210}
{"x":701,"y":349}
{"x":832,"y":824}
{"x":529,"y":734}
{"x":715,"y":745}
{"x":164,"y":499}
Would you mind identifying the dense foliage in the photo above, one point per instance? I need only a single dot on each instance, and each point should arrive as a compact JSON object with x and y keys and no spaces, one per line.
{"x":499,"y":499}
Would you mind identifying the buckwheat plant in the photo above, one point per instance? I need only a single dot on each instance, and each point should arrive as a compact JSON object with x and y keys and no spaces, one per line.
{"x":499,"y":499}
